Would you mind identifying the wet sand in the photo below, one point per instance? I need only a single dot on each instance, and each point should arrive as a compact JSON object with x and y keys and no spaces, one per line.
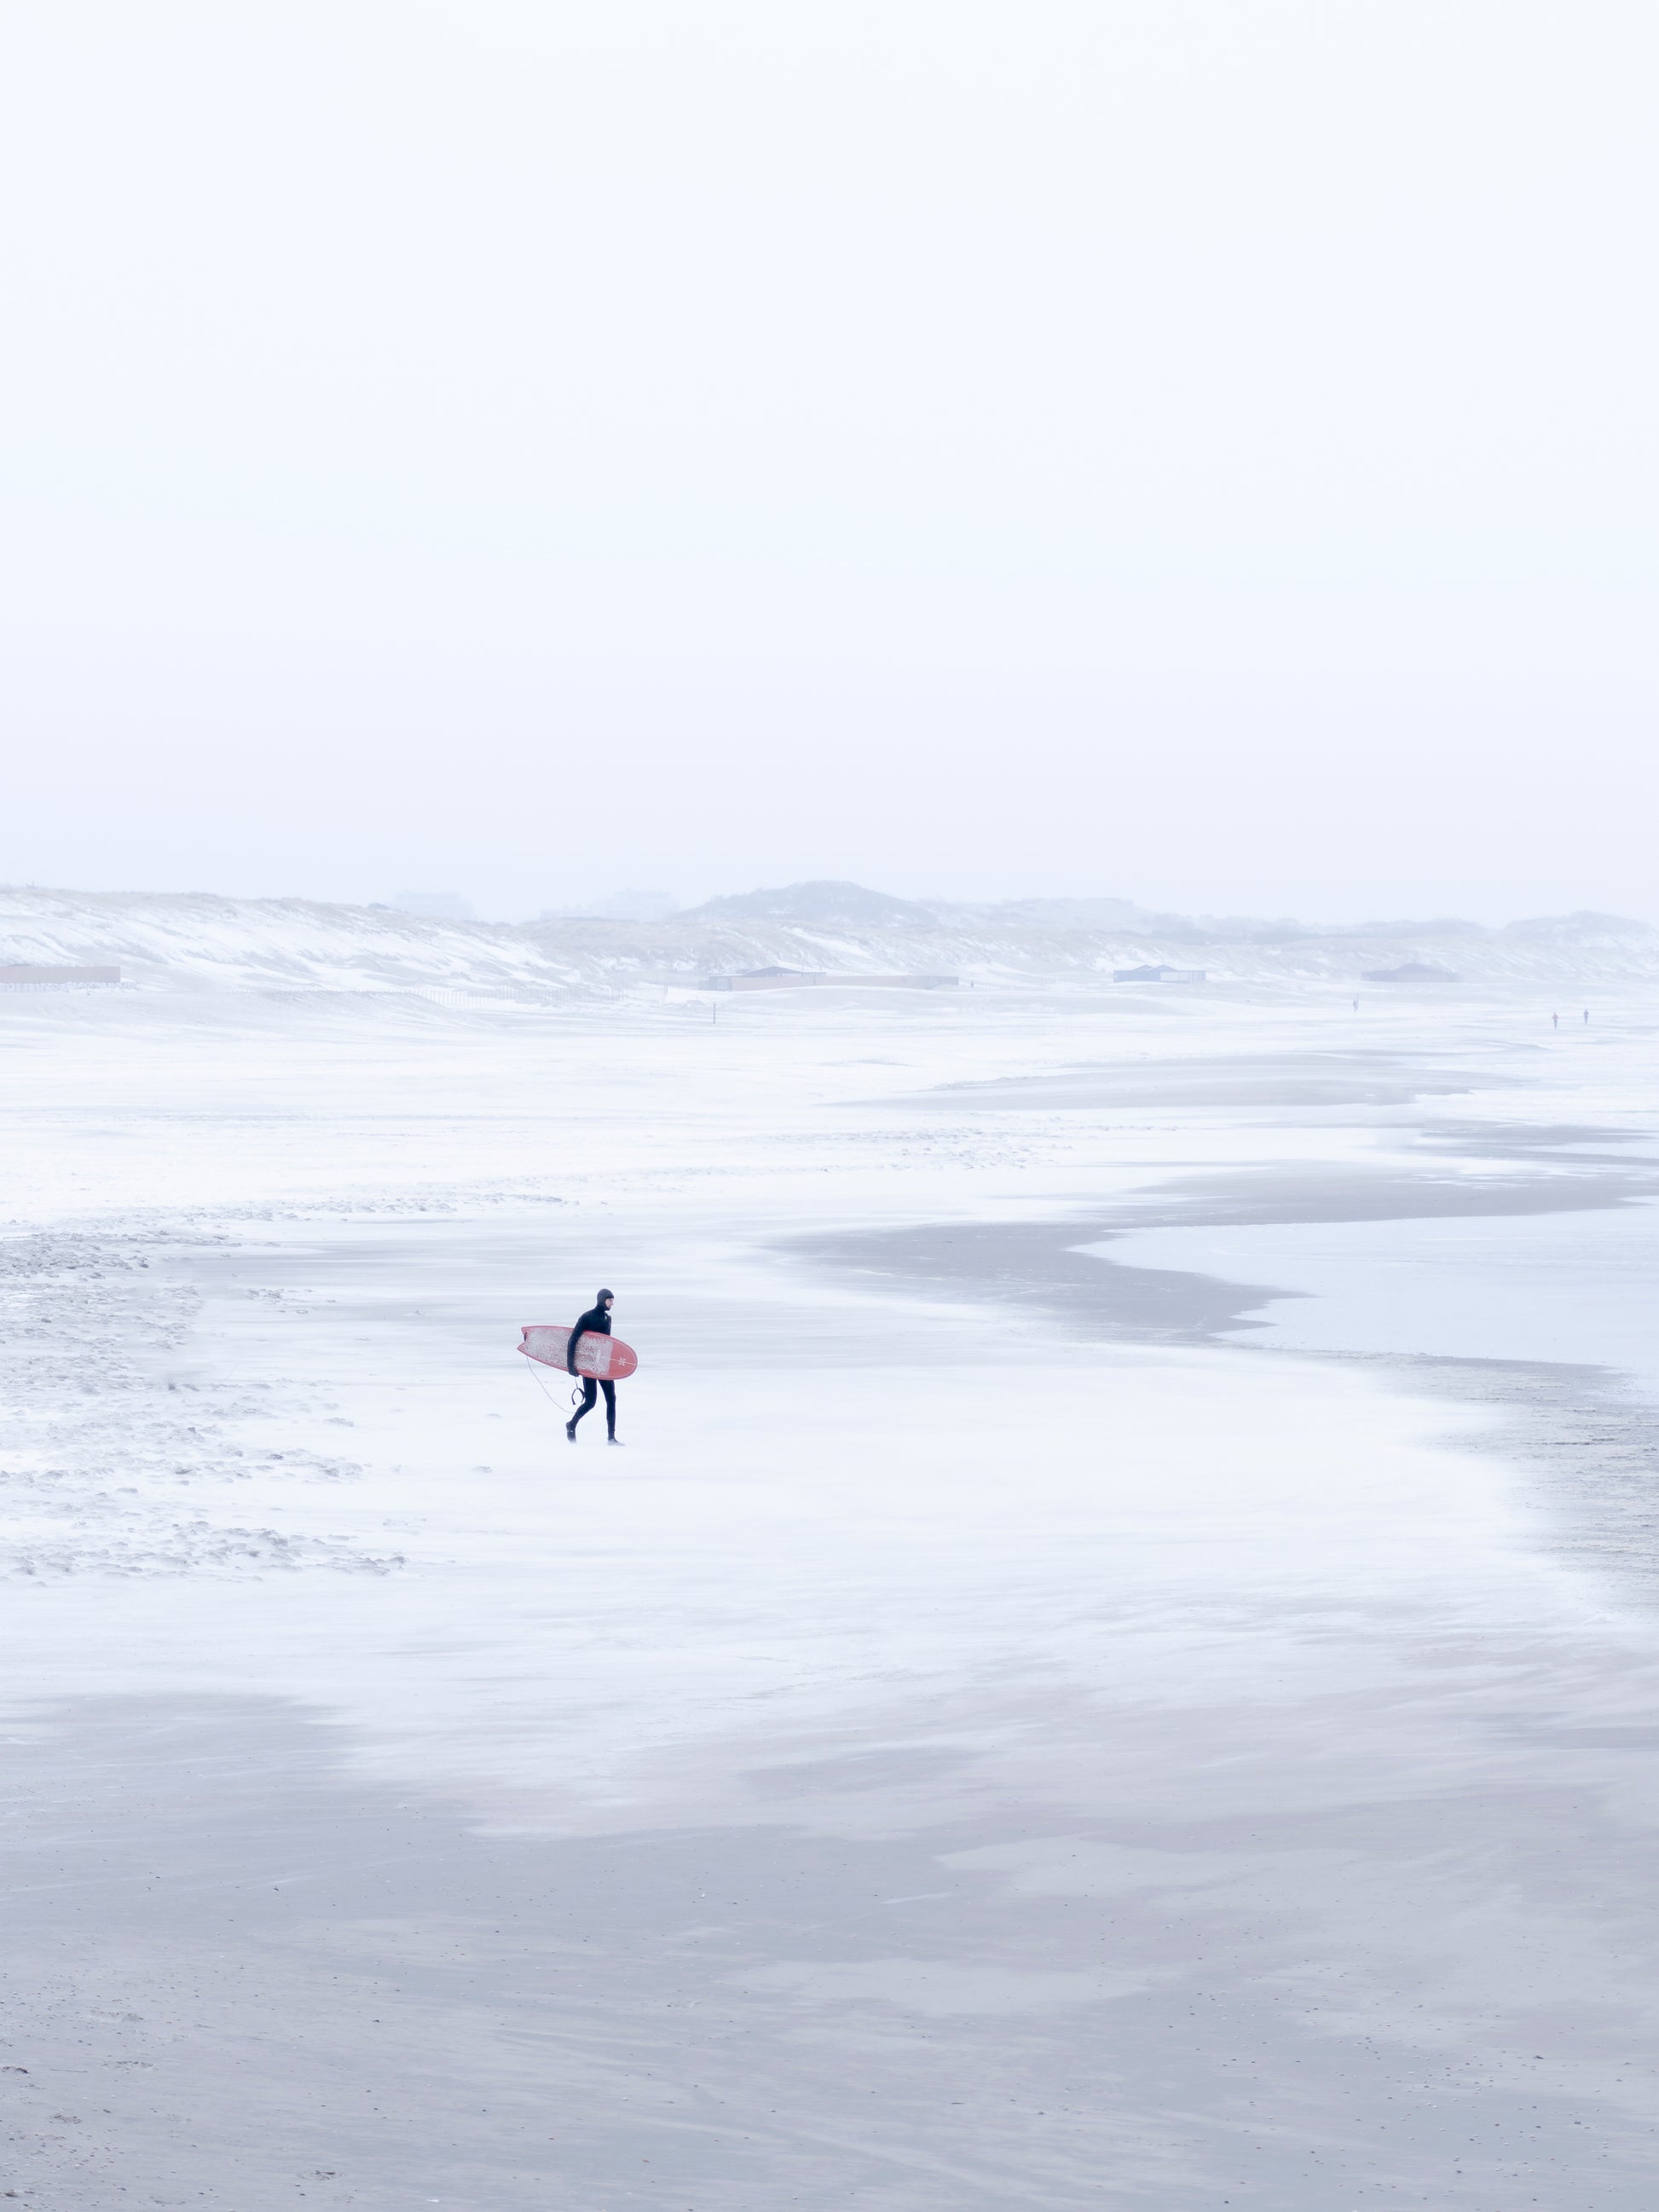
{"x":239,"y":1974}
{"x":1587,"y":1444}
{"x":1039,"y":1265}
{"x":1237,"y":1084}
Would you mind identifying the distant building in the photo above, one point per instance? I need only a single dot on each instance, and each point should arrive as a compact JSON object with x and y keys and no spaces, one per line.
{"x":1410,"y":971}
{"x":1160,"y":974}
{"x":58,"y":979}
{"x":791,"y":979}
{"x":900,"y":982}
{"x":763,"y":979}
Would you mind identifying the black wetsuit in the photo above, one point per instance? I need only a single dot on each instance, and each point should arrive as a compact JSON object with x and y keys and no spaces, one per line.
{"x":595,"y":1323}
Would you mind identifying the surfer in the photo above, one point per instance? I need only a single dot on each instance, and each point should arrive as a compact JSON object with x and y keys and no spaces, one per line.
{"x":595,"y":1320}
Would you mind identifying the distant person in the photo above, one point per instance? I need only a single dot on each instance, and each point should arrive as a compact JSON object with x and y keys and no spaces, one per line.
{"x":1356,"y":1005}
{"x":596,"y":1321}
{"x":1587,"y":1017}
{"x":1555,"y":1021}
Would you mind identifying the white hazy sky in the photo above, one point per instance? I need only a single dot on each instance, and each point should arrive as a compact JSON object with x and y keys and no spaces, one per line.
{"x":1199,"y":450}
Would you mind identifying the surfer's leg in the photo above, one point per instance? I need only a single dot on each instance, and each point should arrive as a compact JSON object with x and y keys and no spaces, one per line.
{"x":610,"y":1390}
{"x":590,"y":1398}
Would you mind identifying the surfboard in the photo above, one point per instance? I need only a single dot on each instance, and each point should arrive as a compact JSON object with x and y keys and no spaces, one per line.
{"x":605,"y":1358}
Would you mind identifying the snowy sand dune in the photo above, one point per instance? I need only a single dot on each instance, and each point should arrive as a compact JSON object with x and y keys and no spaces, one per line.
{"x":987,"y":1740}
{"x":191,"y":944}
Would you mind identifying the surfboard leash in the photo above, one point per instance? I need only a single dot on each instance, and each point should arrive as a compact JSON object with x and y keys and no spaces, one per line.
{"x":541,"y":1384}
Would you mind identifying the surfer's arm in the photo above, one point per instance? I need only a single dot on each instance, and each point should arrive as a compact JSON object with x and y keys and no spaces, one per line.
{"x":576,"y":1336}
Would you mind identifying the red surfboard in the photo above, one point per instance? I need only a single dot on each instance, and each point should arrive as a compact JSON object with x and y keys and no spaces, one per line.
{"x":606,"y":1358}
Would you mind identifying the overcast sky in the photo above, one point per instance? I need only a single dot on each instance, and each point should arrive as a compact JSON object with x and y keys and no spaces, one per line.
{"x":1201,"y":451}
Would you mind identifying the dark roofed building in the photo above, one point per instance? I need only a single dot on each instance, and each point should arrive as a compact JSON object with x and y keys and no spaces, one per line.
{"x":784,"y":979}
{"x":30,"y":978}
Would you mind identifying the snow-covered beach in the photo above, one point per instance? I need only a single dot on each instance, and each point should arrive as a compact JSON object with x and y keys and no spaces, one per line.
{"x":1116,"y":1666}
